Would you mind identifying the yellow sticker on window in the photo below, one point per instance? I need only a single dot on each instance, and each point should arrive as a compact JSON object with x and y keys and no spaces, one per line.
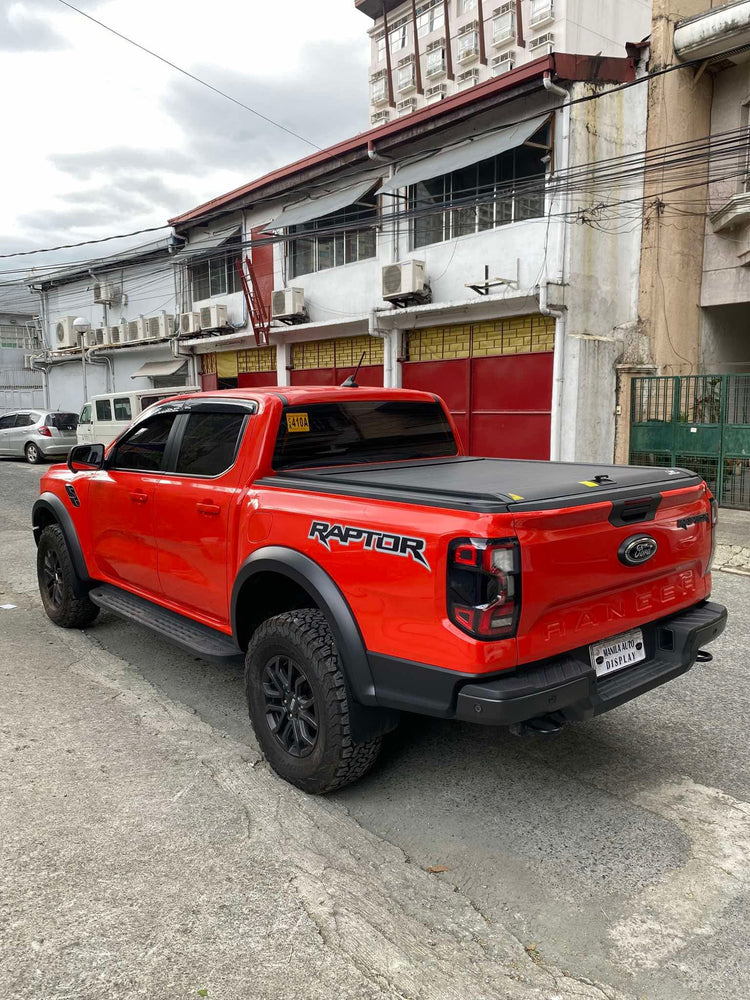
{"x":515,"y":496}
{"x":586,"y":482}
{"x":297,"y":423}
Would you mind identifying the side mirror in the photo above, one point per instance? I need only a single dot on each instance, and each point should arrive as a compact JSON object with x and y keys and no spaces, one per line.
{"x":86,"y":457}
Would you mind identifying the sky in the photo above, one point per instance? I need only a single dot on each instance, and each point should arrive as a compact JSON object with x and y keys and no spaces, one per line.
{"x":102,"y":138}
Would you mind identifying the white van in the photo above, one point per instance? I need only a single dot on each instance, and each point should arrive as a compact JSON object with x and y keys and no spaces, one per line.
{"x":107,"y":415}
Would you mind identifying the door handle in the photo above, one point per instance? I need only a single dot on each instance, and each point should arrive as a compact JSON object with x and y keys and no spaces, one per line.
{"x":208,"y":508}
{"x":139,"y":497}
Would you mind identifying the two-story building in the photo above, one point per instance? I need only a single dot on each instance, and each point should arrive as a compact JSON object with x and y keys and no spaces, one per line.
{"x":465,"y":249}
{"x":129,"y":302}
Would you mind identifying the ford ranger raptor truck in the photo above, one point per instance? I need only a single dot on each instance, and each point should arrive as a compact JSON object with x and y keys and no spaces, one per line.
{"x":342,"y":543}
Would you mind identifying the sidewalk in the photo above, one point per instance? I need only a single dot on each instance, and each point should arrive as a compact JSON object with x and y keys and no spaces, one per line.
{"x":733,"y":545}
{"x":144,"y":855}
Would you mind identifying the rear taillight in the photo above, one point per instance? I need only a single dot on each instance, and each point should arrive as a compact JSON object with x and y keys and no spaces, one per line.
{"x":484,"y":586}
{"x":45,"y":432}
{"x":714,"y":523}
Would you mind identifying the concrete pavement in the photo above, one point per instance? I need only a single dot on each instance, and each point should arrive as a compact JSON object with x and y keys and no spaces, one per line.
{"x":159,"y":858}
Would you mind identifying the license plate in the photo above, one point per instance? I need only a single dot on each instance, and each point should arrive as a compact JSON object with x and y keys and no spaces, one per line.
{"x":618,"y":652}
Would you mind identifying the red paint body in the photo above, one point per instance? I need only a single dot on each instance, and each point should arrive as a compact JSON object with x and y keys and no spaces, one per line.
{"x":180,"y":541}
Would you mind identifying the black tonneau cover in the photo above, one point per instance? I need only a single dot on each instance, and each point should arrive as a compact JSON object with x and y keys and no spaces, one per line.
{"x":488,"y":484}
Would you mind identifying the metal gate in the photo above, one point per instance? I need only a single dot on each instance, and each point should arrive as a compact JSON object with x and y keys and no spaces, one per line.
{"x":698,"y":422}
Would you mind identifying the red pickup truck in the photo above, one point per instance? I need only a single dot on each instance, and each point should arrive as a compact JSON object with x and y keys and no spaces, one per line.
{"x":341,"y":541}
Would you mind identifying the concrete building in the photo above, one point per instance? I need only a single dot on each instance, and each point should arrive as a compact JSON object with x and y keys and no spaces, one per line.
{"x":129,"y":302}
{"x":462,"y":249}
{"x":20,"y":337}
{"x":439,"y":47}
{"x":687,"y":366}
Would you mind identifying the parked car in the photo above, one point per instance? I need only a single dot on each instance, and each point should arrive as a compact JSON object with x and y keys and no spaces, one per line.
{"x":106,"y":415}
{"x":37,"y":434}
{"x":340,"y":540}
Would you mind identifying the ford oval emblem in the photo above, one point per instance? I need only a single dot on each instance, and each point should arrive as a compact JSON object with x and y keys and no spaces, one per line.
{"x":637,"y":549}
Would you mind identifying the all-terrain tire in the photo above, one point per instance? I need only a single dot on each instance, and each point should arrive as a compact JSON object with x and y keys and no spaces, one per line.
{"x":299,"y":645}
{"x":55,"y":574}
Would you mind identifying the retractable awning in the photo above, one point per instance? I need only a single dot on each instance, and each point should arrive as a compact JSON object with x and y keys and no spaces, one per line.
{"x":210,"y":241}
{"x":464,"y":155}
{"x":315,"y":208}
{"x":158,"y":369}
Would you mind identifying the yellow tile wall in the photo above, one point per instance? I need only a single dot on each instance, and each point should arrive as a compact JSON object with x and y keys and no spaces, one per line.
{"x":341,"y":352}
{"x":515,"y":335}
{"x":260,"y":359}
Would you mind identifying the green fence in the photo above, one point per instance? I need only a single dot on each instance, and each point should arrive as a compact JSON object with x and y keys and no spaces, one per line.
{"x":699,"y":422}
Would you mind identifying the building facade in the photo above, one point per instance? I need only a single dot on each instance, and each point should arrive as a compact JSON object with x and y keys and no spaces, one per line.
{"x":482,"y":211}
{"x":439,"y":47}
{"x":20,"y":338}
{"x":129,"y":303}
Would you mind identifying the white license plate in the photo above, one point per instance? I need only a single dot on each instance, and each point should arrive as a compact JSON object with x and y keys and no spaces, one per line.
{"x":618,"y":652}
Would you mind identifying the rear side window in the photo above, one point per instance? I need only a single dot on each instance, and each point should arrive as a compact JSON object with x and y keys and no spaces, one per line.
{"x":122,"y":409}
{"x":63,"y":421}
{"x":362,"y":431}
{"x":26,"y":419}
{"x":143,"y":450}
{"x":103,"y":409}
{"x":209,"y":444}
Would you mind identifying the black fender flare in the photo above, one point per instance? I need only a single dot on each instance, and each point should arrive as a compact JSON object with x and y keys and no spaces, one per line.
{"x":369,"y":720}
{"x":53,"y":505}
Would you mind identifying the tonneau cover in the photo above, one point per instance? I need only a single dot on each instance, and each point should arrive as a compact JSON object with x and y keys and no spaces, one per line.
{"x":489,"y":484}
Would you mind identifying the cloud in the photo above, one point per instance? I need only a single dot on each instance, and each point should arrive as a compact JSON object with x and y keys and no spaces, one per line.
{"x":119,"y":161}
{"x":311,"y":100}
{"x":24,"y":31}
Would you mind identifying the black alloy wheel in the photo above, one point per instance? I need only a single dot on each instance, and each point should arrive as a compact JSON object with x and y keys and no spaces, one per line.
{"x":52,"y":578}
{"x":290,"y":708}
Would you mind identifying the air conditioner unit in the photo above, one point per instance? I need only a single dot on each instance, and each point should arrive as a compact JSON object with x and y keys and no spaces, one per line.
{"x":65,"y":333}
{"x":379,"y":75}
{"x":160,"y":327}
{"x":502,"y":64}
{"x":542,"y":44}
{"x":468,"y":79}
{"x":89,"y":337}
{"x":105,"y":293}
{"x":380,"y":117}
{"x":406,"y":107}
{"x":506,"y":8}
{"x":436,"y":93}
{"x":137,"y":330}
{"x":405,"y":280}
{"x":406,"y":61}
{"x":466,"y":28}
{"x":288,"y":304}
{"x":213,"y":317}
{"x":542,"y":13}
{"x":190,"y":322}
{"x":439,"y":43}
{"x":115,"y":334}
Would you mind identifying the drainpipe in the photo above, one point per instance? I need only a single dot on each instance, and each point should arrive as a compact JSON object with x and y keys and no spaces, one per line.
{"x":558,"y":371}
{"x":552,"y":88}
{"x":104,"y":360}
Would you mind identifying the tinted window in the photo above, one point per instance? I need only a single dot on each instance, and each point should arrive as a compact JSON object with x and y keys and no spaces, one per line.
{"x":209,"y":444}
{"x":103,"y":409}
{"x":143,"y":450}
{"x":122,"y":409}
{"x":7,"y":421}
{"x":368,"y":431}
{"x":25,"y":419}
{"x":63,"y":421}
{"x":85,"y":417}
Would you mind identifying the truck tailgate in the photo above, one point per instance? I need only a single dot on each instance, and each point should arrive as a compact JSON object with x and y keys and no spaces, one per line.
{"x":578,"y":585}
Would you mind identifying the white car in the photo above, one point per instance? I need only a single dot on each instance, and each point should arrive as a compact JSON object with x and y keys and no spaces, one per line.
{"x":105,"y":416}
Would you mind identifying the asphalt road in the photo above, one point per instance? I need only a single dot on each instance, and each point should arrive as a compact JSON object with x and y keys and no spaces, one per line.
{"x":619,"y":850}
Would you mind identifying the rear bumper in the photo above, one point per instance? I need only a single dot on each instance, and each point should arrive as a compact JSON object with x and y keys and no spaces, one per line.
{"x":568,"y":686}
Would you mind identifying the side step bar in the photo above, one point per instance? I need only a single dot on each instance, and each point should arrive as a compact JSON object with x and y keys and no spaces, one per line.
{"x":192,"y":636}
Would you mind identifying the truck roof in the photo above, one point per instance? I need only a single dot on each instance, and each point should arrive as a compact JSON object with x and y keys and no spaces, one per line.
{"x":296,"y":395}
